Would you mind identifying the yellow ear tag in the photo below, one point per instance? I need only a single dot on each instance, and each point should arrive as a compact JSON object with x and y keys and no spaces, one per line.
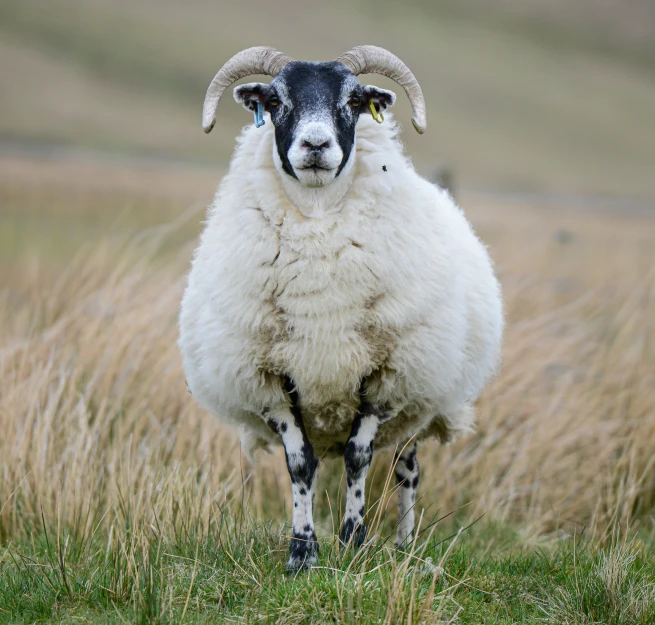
{"x":378,"y":117}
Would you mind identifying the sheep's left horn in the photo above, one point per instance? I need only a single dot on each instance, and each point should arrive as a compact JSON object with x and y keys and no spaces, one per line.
{"x":257,"y":60}
{"x":374,"y":60}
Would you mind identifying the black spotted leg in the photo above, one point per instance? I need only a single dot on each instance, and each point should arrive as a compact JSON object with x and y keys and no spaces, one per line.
{"x":287,"y":421}
{"x":407,"y":474}
{"x":357,"y":457}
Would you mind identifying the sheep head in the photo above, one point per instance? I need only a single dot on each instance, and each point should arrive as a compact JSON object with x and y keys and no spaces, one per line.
{"x":314,"y":107}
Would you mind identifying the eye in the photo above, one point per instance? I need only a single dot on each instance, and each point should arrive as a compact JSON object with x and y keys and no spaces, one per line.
{"x":273,"y":100}
{"x":355,"y":102}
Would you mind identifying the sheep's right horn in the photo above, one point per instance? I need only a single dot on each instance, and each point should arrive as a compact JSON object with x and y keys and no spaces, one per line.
{"x":375,"y":60}
{"x":257,"y":60}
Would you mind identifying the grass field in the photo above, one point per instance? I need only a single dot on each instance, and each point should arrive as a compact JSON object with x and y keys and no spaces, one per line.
{"x":121,"y":502}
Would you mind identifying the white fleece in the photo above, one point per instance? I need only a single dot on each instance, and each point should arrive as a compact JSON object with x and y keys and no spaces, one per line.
{"x":379,"y":276}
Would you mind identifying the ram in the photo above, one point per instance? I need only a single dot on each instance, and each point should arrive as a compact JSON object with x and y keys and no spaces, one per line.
{"x":337,"y":301}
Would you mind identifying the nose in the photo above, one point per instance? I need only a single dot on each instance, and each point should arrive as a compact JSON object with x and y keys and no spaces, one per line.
{"x":315,"y":146}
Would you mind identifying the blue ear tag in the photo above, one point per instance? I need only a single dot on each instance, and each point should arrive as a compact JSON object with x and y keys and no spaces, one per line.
{"x":259,"y":115}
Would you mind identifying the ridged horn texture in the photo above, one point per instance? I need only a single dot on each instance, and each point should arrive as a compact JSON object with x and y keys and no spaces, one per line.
{"x":257,"y":60}
{"x":375,"y":60}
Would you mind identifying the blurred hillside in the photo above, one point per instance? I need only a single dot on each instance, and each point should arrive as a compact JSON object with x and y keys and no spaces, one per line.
{"x":528,"y":95}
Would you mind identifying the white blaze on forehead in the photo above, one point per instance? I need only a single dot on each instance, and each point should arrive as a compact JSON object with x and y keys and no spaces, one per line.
{"x":318,"y":109}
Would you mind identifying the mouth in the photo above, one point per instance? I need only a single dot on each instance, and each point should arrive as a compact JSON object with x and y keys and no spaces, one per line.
{"x":315,"y":175}
{"x":315,"y":168}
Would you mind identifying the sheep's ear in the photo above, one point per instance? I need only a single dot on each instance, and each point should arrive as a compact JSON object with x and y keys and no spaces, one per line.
{"x":381,"y":99}
{"x":249,"y":94}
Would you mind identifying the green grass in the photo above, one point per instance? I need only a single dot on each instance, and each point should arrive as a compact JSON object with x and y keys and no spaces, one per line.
{"x":235,"y":571}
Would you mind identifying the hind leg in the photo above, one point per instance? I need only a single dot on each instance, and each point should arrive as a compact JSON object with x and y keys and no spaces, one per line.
{"x":407,"y":475}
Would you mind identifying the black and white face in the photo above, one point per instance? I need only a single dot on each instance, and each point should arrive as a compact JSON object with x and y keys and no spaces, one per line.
{"x":314,"y":108}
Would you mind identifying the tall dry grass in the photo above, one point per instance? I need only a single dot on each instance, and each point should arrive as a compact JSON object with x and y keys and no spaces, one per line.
{"x":97,"y":428}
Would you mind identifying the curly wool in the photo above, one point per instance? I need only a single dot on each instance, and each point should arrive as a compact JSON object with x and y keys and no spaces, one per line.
{"x":390,"y":285}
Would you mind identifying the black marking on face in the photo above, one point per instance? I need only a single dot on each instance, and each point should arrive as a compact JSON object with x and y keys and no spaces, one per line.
{"x":384,"y":168}
{"x":304,"y":91}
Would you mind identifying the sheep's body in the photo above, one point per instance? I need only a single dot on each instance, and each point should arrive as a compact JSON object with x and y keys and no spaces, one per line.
{"x":390,"y":286}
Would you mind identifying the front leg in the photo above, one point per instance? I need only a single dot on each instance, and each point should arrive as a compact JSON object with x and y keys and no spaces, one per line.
{"x":286,"y":421}
{"x":358,"y":456}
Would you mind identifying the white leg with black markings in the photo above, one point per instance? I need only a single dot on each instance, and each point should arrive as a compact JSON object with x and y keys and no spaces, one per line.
{"x":358,"y":456}
{"x":407,"y":474}
{"x":287,"y":421}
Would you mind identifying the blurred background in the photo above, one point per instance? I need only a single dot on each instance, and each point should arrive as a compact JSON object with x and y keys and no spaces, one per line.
{"x":525,"y":95}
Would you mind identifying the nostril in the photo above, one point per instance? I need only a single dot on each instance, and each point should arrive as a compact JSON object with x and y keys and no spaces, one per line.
{"x":314,"y":147}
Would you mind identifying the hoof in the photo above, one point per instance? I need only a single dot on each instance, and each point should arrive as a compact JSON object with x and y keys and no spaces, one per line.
{"x":302,"y":552}
{"x":352,"y":532}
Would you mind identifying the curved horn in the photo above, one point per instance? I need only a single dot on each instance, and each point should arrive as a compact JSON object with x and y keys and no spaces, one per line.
{"x":374,"y":60}
{"x":257,"y":60}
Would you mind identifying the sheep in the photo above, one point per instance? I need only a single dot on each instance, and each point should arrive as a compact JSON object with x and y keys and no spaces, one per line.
{"x":337,"y":301}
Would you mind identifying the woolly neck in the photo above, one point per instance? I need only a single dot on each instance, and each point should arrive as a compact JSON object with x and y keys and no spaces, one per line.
{"x":316,"y":202}
{"x":278,"y":194}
